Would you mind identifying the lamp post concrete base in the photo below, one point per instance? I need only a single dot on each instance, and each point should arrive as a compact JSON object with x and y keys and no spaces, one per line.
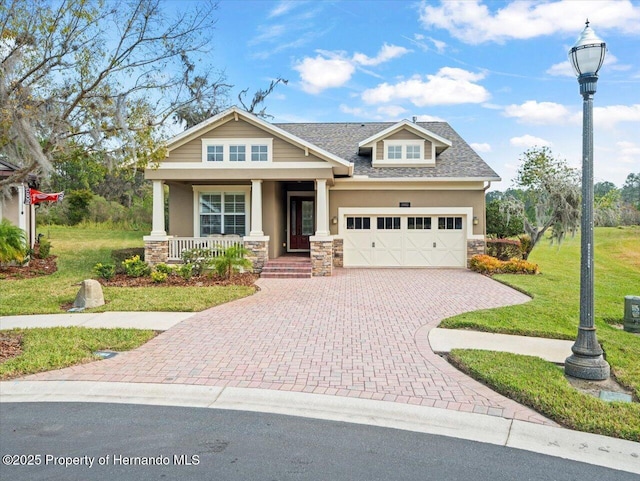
{"x":587,"y":362}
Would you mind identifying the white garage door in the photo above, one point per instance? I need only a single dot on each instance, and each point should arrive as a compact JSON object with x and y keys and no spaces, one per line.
{"x":404,"y":241}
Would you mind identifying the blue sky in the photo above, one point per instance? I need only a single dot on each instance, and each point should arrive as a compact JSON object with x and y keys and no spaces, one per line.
{"x":496,"y":71}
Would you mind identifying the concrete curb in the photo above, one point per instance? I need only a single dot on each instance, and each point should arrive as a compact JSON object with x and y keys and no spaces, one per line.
{"x":588,"y":448}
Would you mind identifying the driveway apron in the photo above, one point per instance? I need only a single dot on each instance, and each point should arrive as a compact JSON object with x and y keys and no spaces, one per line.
{"x":360,"y":333}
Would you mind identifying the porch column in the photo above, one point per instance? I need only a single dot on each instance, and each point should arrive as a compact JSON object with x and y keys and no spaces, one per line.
{"x":256,"y":209}
{"x":322,"y":211}
{"x":157,"y":226}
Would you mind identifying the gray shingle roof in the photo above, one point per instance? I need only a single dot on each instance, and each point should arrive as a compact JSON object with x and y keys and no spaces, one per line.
{"x":342,"y":139}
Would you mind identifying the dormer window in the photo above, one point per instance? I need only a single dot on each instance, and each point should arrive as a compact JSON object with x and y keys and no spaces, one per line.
{"x":404,"y":150}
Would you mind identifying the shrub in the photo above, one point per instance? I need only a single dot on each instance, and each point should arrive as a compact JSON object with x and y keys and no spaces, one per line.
{"x":526,"y":245}
{"x":231,"y":260}
{"x":485,"y":264}
{"x":504,"y":249}
{"x":44,"y":248}
{"x":105,"y":271}
{"x":159,"y":277}
{"x":120,"y":255}
{"x":499,"y":223}
{"x":78,"y":201}
{"x":13,"y":243}
{"x":199,"y":259}
{"x":164,"y":268}
{"x":135,"y":267}
{"x":185,"y":271}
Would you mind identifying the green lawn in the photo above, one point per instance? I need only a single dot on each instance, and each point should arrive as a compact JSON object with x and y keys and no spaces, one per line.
{"x":78,"y":250}
{"x":58,"y":347}
{"x":554,"y":310}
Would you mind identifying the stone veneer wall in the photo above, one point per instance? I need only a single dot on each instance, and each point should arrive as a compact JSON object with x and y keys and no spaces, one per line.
{"x":259,"y":254}
{"x":475,"y":247}
{"x":321,"y":258}
{"x":338,"y":252}
{"x":156,"y":252}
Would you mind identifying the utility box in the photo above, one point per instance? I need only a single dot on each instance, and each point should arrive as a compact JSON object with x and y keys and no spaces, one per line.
{"x":632,"y":313}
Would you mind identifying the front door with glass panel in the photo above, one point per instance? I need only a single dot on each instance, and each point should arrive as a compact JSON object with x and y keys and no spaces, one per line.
{"x":301,"y":222}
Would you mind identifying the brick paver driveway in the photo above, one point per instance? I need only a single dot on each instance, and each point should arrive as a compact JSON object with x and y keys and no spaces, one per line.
{"x":361,"y":333}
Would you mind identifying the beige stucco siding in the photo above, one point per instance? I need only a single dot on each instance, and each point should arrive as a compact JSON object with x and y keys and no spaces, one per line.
{"x":180,"y":210}
{"x":418,"y":198}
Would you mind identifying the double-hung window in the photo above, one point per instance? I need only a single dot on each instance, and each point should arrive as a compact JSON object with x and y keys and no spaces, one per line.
{"x":234,"y":150}
{"x":394,"y":152}
{"x":411,"y":151}
{"x":222,"y":213}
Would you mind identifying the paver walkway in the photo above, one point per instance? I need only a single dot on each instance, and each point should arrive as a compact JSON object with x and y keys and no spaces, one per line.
{"x":352,"y":334}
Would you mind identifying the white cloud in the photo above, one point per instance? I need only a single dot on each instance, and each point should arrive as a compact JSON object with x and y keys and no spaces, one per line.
{"x":534,"y":112}
{"x":334,"y":69}
{"x":527,"y":141}
{"x":473,"y":22}
{"x":449,"y":86}
{"x":386,"y":53}
{"x":608,"y":117}
{"x":283,"y":7}
{"x":355,"y":111}
{"x":320,"y":73}
{"x":391,"y":111}
{"x":484,"y":147}
{"x":429,"y":118}
{"x":628,"y":152}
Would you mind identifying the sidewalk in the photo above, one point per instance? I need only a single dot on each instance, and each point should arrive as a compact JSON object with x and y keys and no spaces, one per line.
{"x":157,"y":321}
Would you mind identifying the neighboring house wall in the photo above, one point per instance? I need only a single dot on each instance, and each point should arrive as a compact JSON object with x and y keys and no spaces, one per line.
{"x":417,"y":198}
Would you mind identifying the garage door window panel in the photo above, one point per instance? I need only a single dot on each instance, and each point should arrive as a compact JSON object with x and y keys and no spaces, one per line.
{"x":419,"y":223}
{"x":358,"y":223}
{"x":450,"y":223}
{"x":388,"y":223}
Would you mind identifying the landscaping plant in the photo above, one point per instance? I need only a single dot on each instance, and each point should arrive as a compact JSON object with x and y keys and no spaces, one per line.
{"x":231,"y":260}
{"x":13,"y":243}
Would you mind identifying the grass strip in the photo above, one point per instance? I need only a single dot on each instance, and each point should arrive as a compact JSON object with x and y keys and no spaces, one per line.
{"x":45,"y":349}
{"x":541,"y":385}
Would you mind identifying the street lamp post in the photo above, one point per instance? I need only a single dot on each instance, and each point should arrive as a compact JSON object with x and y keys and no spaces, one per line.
{"x":587,"y":362}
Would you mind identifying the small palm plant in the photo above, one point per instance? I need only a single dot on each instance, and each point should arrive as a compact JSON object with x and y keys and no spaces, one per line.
{"x":231,"y":260}
{"x":13,"y":243}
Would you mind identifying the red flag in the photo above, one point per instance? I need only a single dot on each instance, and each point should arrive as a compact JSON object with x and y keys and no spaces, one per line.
{"x":33,"y":196}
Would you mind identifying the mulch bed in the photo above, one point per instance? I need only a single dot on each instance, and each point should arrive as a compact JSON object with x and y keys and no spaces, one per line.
{"x":10,"y":346}
{"x":36,"y":268}
{"x":121,"y":280}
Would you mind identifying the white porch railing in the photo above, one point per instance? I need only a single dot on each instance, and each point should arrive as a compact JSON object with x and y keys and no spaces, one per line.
{"x":215,"y":244}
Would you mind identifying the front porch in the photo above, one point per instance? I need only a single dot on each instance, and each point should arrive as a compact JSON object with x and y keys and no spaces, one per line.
{"x":270,"y":218}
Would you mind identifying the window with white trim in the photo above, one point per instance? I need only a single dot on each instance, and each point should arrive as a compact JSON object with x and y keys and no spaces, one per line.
{"x":237,"y":150}
{"x":215,"y":153}
{"x":237,"y":153}
{"x":222,"y":213}
{"x":404,"y":150}
{"x":259,"y":153}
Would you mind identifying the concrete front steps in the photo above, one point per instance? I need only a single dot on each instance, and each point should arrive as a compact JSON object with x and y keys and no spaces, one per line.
{"x":287,"y":267}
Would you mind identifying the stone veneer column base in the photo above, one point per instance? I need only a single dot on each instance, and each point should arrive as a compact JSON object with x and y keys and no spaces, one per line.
{"x":321,"y":256}
{"x":338,"y":253}
{"x":259,"y":252}
{"x":475,"y":247}
{"x":156,"y":251}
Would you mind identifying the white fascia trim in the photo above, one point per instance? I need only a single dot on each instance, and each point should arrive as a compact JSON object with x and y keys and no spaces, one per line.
{"x":242,"y":165}
{"x":466,"y":212}
{"x":227,"y":189}
{"x":405,"y":123}
{"x":364,"y":179}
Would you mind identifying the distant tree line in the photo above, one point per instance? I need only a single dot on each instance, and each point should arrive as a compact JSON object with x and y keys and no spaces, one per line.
{"x":546,"y":198}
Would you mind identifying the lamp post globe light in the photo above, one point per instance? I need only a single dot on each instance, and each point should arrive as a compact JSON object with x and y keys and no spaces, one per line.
{"x":587,"y":362}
